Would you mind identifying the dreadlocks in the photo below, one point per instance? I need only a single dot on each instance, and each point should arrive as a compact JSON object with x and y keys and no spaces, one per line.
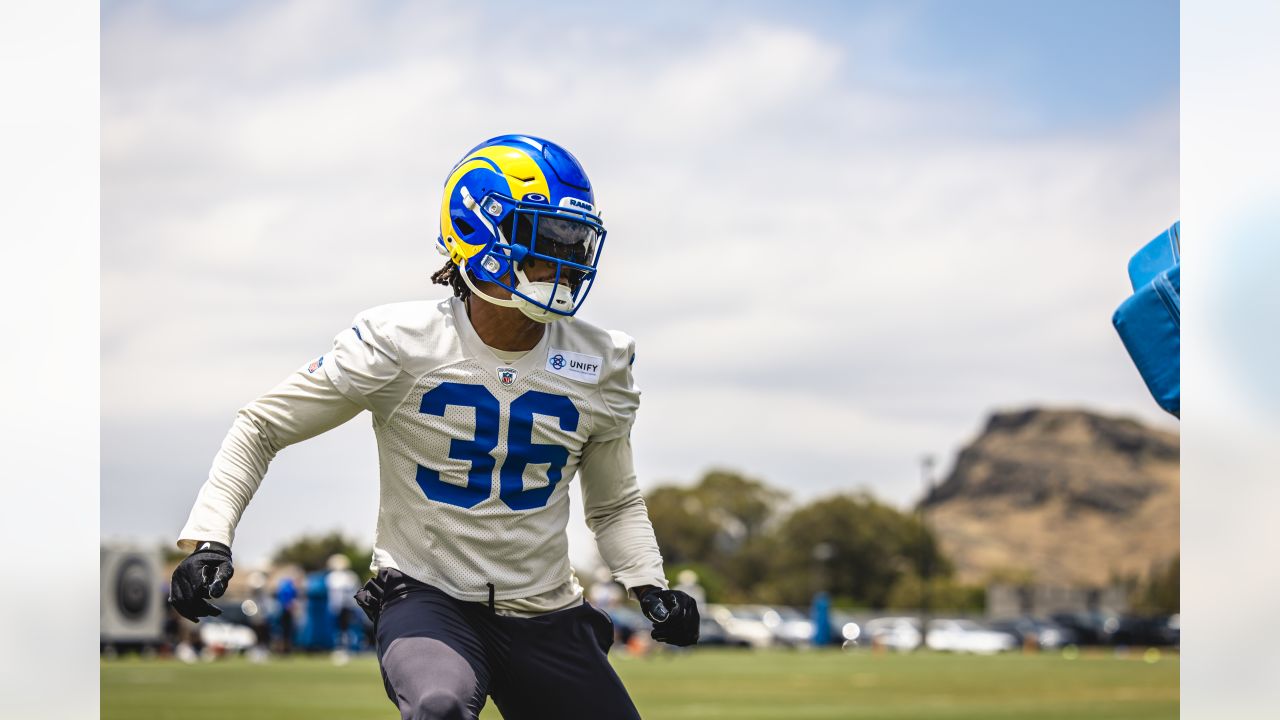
{"x":451,"y":275}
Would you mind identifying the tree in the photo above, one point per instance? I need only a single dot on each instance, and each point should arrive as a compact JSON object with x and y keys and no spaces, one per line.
{"x":860,"y":550}
{"x":712,"y":520}
{"x":741,"y":506}
{"x":723,"y":523}
{"x":908,"y":593}
{"x":1159,"y":595}
{"x":680,"y":524}
{"x":712,"y":582}
{"x":852,"y":546}
{"x":312,"y":552}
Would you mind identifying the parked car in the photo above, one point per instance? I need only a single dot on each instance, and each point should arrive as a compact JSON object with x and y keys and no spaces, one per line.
{"x":1044,"y":633}
{"x":1091,"y":628}
{"x":711,"y":632}
{"x":743,"y":622}
{"x":1157,"y":630}
{"x":233,"y":611}
{"x":896,"y":633}
{"x":216,"y":633}
{"x":789,"y":626}
{"x":229,"y":631}
{"x":963,"y":635}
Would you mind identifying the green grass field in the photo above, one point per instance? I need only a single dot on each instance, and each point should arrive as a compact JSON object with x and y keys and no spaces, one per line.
{"x":702,"y":684}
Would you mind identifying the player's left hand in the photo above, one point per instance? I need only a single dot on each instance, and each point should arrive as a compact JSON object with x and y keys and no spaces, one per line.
{"x":204,"y":574}
{"x":674,"y":616}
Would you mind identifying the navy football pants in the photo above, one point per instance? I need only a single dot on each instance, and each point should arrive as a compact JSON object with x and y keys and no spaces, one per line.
{"x":440,"y":657}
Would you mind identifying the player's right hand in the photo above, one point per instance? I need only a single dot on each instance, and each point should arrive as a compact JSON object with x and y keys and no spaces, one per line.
{"x":201,"y":575}
{"x":674,"y":616}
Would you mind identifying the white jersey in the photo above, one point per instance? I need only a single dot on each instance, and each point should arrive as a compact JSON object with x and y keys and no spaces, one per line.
{"x":476,"y":454}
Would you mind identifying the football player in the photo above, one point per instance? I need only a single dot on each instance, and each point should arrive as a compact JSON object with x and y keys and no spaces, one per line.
{"x":485,"y":407}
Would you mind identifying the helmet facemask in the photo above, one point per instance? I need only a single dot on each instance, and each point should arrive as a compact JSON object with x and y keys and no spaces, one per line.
{"x":529,"y":235}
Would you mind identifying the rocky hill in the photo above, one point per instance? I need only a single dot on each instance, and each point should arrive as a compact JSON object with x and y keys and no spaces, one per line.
{"x":1061,"y":497}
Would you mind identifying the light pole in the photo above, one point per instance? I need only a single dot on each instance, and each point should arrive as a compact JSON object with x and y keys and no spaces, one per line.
{"x":926,"y":557}
{"x":822,"y":554}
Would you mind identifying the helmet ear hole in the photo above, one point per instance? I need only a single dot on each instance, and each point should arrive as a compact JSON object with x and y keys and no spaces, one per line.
{"x":463,"y":227}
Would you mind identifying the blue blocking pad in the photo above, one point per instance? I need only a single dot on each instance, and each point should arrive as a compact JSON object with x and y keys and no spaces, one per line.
{"x":1155,"y":257}
{"x":1149,"y":323}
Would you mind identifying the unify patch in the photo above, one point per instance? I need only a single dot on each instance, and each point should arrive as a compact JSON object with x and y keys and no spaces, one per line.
{"x":575,"y":366}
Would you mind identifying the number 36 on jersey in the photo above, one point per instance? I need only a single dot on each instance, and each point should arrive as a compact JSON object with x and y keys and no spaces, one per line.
{"x":478,"y":451}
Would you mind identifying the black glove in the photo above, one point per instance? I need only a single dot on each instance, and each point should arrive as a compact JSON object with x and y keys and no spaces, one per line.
{"x":674,"y":616}
{"x":203,"y":574}
{"x":369,"y":598}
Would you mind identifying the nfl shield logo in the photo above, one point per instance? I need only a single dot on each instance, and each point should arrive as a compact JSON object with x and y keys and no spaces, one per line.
{"x":506,"y":375}
{"x":315,"y":364}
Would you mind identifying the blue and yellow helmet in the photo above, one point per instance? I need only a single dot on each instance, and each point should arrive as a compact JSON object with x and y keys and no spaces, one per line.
{"x":516,"y":198}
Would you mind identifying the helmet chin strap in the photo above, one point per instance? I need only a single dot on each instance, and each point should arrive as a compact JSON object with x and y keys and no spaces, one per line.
{"x":507,"y":302}
{"x":548,"y":293}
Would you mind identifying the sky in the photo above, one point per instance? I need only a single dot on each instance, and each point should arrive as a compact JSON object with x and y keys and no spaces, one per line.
{"x":841,"y":233}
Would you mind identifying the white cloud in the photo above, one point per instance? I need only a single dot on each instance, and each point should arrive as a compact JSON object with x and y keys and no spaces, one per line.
{"x":825,"y":279}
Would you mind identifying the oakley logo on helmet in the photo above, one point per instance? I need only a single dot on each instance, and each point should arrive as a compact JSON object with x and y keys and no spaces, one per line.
{"x":535,"y":197}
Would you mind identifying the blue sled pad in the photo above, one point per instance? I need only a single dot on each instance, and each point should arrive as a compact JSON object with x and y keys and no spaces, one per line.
{"x":1149,"y":323}
{"x":1155,"y":257}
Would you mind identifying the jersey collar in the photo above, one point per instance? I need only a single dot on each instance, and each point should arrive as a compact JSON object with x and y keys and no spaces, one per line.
{"x":478,"y":351}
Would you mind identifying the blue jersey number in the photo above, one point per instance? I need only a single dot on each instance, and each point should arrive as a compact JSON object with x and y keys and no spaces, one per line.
{"x":477,"y":451}
{"x":521,"y":450}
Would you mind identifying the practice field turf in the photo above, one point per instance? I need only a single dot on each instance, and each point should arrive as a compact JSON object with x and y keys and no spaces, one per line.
{"x":702,"y":684}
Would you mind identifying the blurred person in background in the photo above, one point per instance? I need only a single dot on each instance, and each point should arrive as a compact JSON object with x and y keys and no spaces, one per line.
{"x":342,"y":583}
{"x":687,"y":583}
{"x":256,"y":611}
{"x":286,"y":598}
{"x":820,"y":615}
{"x":605,"y":593}
{"x":485,"y":406}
